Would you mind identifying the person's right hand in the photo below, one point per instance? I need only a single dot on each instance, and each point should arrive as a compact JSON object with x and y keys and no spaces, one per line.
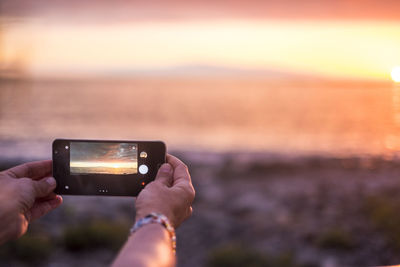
{"x":170,"y":194}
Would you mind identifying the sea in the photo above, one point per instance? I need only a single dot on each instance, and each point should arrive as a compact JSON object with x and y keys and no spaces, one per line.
{"x":212,"y":114}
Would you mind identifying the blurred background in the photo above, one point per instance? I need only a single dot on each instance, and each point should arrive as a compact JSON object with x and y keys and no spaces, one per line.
{"x":287,"y":113}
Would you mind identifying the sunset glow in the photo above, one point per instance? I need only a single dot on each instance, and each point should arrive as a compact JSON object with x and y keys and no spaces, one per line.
{"x":104,"y":158}
{"x":94,"y":164}
{"x":396,"y":74}
{"x":329,"y":48}
{"x":104,"y":167}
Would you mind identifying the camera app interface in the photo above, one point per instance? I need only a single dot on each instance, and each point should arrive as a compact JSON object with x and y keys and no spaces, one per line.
{"x":103,"y":158}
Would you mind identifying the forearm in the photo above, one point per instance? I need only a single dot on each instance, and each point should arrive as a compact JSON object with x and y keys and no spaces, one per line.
{"x":149,"y":246}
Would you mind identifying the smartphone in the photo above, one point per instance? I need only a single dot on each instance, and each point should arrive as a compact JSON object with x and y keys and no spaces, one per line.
{"x":105,"y":167}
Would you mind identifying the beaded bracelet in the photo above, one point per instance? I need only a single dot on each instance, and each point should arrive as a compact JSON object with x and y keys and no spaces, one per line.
{"x":157,"y":218}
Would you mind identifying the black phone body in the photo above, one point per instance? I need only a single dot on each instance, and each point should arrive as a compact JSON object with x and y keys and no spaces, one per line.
{"x":105,"y":167}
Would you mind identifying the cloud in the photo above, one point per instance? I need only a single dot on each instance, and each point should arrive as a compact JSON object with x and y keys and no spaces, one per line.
{"x":153,"y":10}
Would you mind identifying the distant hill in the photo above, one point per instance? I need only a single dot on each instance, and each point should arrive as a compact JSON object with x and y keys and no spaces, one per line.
{"x":198,"y":70}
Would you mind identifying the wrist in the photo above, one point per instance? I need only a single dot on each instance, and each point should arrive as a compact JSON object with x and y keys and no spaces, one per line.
{"x":141,"y":214}
{"x":156,"y":218}
{"x":152,"y":227}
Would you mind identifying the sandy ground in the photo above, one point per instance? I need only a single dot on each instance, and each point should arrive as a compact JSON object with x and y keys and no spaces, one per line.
{"x":271,"y":204}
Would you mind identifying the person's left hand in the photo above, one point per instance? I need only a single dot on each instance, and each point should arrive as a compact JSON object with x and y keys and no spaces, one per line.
{"x":26,"y":193}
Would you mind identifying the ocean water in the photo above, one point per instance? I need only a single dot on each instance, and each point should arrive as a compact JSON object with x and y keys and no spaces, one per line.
{"x":207,"y":114}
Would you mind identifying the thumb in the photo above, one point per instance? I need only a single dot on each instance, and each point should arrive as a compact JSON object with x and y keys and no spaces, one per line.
{"x":41,"y":208}
{"x":164,"y":174}
{"x":44,"y":186}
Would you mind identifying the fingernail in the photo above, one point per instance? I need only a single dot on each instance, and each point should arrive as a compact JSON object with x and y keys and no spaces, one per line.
{"x":166,"y":168}
{"x":51,"y":181}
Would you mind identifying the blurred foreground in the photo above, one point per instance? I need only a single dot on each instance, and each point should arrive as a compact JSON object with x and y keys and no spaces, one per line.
{"x":250,"y":208}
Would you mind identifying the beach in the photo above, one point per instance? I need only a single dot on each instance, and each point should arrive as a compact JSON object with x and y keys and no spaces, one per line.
{"x":286,"y":173}
{"x":299,"y":211}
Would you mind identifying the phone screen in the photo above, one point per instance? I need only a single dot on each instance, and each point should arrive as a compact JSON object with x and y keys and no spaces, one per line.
{"x":103,"y":158}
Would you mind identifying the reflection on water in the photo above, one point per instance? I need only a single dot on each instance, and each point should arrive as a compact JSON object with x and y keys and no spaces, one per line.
{"x":396,"y":104}
{"x":393,"y":140}
{"x":210,"y":114}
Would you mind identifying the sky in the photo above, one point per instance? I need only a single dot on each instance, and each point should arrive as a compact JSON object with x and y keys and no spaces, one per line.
{"x":339,"y":39}
{"x":114,"y":152}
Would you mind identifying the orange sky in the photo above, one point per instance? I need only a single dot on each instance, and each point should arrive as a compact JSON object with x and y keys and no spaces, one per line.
{"x":353,"y":39}
{"x":359,"y":50}
{"x":128,"y":10}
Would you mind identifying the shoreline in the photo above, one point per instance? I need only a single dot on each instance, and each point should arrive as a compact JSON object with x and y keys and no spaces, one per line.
{"x":264,"y":160}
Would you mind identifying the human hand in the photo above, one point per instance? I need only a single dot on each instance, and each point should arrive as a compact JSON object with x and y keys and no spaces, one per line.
{"x":26,"y":193}
{"x":170,"y":194}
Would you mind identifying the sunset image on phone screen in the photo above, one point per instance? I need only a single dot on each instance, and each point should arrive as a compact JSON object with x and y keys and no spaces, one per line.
{"x":103,"y":158}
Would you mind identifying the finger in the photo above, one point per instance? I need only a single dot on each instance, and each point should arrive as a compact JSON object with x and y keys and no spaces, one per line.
{"x":42,"y":208}
{"x":50,"y":196}
{"x":165,"y":174}
{"x":44,"y":187}
{"x":174,"y":161}
{"x":181,"y":173}
{"x":34,"y":170}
